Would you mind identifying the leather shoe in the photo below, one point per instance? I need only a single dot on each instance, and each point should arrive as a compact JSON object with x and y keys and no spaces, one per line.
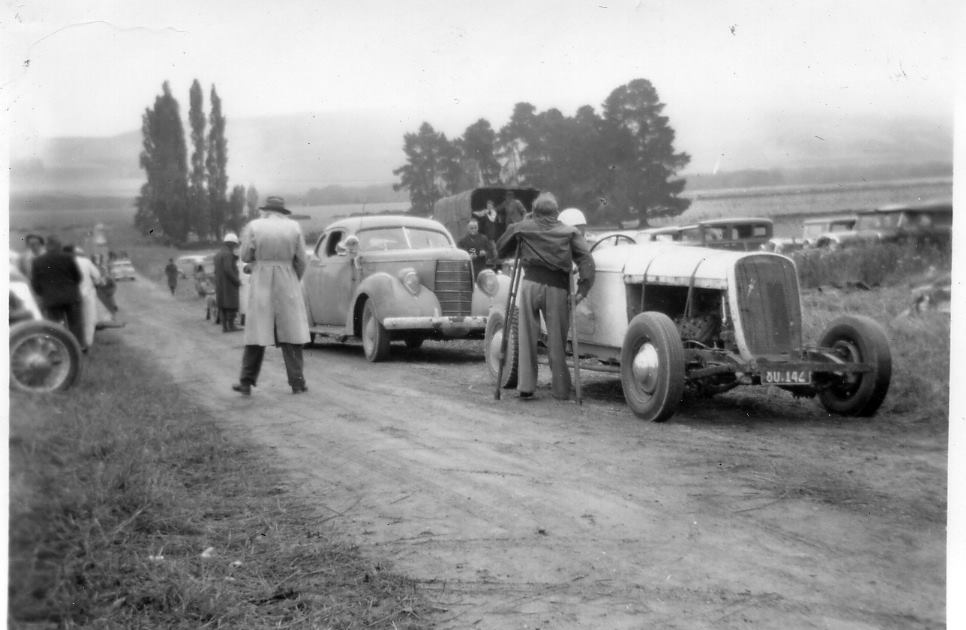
{"x":526,"y":396}
{"x":242,"y":388}
{"x":300,"y":390}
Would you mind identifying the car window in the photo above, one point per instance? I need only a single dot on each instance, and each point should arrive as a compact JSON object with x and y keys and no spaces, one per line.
{"x":331,"y":241}
{"x":691,"y":234}
{"x":426,"y":239}
{"x":389,"y":238}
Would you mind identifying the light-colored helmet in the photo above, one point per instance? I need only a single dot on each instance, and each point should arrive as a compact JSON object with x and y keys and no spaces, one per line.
{"x":230,"y":237}
{"x":572,"y":216}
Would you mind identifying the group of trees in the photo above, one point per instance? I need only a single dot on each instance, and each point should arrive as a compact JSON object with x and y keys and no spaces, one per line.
{"x":178,"y":203}
{"x":615,"y":166}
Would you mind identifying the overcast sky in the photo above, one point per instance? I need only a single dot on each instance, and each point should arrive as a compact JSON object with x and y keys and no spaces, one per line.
{"x":90,"y":68}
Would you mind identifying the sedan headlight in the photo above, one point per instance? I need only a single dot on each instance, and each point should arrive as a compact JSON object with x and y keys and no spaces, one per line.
{"x":486,"y":280}
{"x":410,"y":280}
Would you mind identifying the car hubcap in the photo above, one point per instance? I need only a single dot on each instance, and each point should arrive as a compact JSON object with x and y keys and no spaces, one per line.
{"x":849,"y":352}
{"x":40,"y":363}
{"x":645,"y":368}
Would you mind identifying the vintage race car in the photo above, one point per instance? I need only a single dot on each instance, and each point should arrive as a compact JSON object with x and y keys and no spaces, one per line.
{"x":44,"y":356}
{"x":671,"y":318}
{"x":384,"y":278}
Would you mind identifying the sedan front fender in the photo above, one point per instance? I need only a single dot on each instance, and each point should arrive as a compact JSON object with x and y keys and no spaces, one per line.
{"x":391,"y":299}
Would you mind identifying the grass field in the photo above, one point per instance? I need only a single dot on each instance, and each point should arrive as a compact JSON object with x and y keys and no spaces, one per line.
{"x":130,"y":508}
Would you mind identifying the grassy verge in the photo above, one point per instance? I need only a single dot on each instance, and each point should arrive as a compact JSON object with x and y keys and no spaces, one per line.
{"x":870,"y":265}
{"x":130,"y":508}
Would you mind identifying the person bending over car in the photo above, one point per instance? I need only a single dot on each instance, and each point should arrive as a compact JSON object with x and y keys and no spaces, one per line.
{"x":548,"y":249}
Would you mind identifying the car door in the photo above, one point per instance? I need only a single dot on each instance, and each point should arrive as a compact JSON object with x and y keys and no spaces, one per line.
{"x":331,"y":277}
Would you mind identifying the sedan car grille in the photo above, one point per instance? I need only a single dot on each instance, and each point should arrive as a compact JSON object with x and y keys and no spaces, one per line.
{"x":454,"y":287}
{"x":771,"y":313}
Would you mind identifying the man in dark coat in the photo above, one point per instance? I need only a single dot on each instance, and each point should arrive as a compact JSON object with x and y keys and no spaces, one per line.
{"x":227,"y":282}
{"x":548,"y":250}
{"x":480,"y":248}
{"x":172,"y":272}
{"x":55,"y":279}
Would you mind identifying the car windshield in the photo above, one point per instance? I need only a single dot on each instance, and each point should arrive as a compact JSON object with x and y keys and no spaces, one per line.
{"x":387,"y":238}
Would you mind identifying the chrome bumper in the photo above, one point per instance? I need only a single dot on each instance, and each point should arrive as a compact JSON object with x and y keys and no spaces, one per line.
{"x":443,"y":324}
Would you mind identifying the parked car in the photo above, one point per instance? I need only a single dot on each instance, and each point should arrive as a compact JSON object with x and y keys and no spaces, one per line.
{"x":815,"y":231}
{"x":740,"y":233}
{"x":671,"y":319}
{"x":189,"y":262}
{"x":611,"y":238}
{"x":384,"y":278}
{"x":44,"y":355}
{"x":122,"y":269}
{"x":928,"y":222}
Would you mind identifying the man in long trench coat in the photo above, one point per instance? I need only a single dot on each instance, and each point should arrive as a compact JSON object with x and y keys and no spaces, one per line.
{"x":275,"y":247}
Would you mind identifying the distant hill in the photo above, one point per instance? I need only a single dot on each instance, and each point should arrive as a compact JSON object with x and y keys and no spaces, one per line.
{"x":296,"y":153}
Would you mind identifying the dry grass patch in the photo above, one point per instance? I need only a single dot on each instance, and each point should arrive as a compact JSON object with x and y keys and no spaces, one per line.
{"x":129,"y":508}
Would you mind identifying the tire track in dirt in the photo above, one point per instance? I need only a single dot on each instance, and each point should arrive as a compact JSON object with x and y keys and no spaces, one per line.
{"x":547,"y":514}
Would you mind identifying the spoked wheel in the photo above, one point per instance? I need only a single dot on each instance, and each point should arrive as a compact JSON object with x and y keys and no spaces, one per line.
{"x":860,"y":340}
{"x":375,"y":337}
{"x":652,"y":366}
{"x":44,"y":357}
{"x":492,"y":340}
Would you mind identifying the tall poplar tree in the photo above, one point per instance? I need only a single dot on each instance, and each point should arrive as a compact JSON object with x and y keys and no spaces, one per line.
{"x":162,"y":206}
{"x":251,"y":200}
{"x":197,"y":193}
{"x":216,"y":164}
{"x":236,"y":209}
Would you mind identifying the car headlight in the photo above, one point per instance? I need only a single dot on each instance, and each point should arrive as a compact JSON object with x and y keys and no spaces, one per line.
{"x":486,"y":280}
{"x":410,"y":280}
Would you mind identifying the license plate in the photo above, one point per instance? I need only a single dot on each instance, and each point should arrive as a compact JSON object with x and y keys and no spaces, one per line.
{"x":787,"y":377}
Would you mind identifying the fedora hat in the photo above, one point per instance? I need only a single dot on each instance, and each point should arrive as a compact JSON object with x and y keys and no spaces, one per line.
{"x":275,"y":204}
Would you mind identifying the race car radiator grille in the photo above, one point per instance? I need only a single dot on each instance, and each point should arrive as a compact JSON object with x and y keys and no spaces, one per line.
{"x":454,"y":287}
{"x":768,"y":304}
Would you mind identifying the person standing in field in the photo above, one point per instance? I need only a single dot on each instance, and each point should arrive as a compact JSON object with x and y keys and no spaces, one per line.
{"x":106,"y":290}
{"x":548,"y":249}
{"x":480,"y":248}
{"x":90,"y":278}
{"x":227,"y":282}
{"x":172,"y":272}
{"x":35,"y":247}
{"x":55,"y":279}
{"x":274,"y":246}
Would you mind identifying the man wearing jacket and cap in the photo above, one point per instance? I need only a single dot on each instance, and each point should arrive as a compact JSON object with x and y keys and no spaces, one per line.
{"x":548,"y":249}
{"x":227,"y":283}
{"x":275,"y":248}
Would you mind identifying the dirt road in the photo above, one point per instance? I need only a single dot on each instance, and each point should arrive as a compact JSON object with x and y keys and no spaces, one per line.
{"x":744,"y":511}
